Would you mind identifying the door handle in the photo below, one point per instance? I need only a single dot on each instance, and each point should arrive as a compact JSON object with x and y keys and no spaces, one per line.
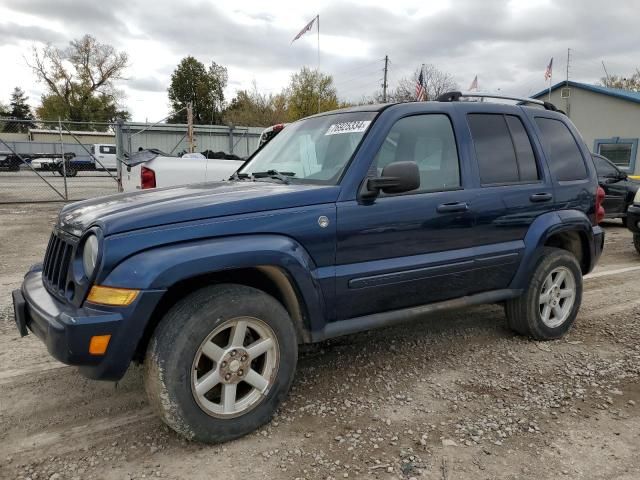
{"x":452,"y":207}
{"x":540,"y":197}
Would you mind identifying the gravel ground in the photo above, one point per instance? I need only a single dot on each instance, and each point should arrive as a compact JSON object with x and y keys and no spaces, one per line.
{"x":27,"y":186}
{"x":453,"y":397}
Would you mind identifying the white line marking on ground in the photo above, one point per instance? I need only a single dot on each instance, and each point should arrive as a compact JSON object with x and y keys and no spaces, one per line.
{"x":606,"y":273}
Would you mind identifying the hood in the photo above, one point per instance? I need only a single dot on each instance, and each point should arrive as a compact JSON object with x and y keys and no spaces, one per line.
{"x":162,"y":206}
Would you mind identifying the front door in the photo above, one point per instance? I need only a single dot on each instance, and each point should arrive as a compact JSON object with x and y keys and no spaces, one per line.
{"x":614,"y":184}
{"x":407,"y":249}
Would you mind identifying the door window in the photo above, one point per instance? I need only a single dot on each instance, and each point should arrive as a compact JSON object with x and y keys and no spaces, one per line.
{"x":604,"y":168}
{"x":503,"y":149}
{"x":107,"y":149}
{"x":429,"y":141}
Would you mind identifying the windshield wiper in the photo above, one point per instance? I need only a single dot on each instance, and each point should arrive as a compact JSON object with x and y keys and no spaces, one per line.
{"x":284,"y":177}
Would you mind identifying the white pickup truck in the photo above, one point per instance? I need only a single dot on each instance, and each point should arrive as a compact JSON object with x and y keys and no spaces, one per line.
{"x":148,"y":169}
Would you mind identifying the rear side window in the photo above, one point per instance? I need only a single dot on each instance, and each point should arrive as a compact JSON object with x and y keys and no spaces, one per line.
{"x":563,"y":154}
{"x":503,"y":149}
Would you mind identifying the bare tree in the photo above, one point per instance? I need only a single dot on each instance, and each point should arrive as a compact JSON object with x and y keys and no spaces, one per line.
{"x":80,"y":79}
{"x":625,"y":83}
{"x":435,"y":81}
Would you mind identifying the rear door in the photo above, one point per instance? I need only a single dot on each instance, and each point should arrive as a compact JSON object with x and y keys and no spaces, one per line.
{"x":513,"y":190}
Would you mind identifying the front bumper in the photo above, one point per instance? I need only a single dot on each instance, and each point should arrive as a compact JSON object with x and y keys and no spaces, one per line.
{"x":67,"y":330}
{"x":633,"y":218}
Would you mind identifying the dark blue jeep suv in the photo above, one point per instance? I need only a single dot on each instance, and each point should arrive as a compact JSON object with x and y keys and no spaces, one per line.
{"x":346,"y":221}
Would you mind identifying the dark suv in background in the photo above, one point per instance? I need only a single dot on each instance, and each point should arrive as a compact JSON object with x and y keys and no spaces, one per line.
{"x":345,"y":221}
{"x":619,"y":189}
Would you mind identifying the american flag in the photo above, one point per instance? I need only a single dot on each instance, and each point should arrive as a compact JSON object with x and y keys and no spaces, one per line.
{"x":306,"y":28}
{"x":420,"y":91}
{"x":474,"y":84}
{"x":549,"y":70}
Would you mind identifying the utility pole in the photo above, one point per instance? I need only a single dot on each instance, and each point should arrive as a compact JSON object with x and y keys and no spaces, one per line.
{"x":384,"y":82}
{"x":567,"y":91}
{"x":606,"y":74}
{"x":190,"y":126}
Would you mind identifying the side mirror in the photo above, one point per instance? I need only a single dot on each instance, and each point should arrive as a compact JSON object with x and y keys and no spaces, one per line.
{"x":397,"y":177}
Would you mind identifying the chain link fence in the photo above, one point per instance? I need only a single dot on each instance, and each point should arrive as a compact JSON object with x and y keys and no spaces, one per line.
{"x":43,"y":161}
{"x":56,"y":161}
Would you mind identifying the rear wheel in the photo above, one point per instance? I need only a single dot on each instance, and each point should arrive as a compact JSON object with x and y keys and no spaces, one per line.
{"x":549,"y":306}
{"x":221,"y":362}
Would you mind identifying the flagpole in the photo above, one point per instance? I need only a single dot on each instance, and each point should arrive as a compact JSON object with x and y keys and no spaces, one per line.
{"x":318,"y":20}
{"x":550,"y":82}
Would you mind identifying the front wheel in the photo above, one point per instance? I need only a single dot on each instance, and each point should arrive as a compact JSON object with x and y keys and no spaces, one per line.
{"x":549,"y":306}
{"x":220,"y":362}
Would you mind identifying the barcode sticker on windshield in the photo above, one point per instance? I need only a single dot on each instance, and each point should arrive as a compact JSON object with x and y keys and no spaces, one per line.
{"x":348,"y":127}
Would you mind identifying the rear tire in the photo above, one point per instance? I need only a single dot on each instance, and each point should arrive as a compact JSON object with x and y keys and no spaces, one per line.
{"x":220,"y":362}
{"x":549,"y":306}
{"x":636,"y":241}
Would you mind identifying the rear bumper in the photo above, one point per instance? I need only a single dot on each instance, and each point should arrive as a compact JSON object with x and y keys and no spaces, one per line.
{"x":66,"y":330}
{"x":598,"y":246}
{"x":633,"y":218}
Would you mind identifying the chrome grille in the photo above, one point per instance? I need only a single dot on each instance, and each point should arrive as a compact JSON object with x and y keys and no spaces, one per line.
{"x":56,"y":263}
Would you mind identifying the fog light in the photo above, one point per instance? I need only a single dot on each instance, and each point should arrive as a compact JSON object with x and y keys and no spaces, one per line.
{"x":98,"y":344}
{"x":120,"y":297}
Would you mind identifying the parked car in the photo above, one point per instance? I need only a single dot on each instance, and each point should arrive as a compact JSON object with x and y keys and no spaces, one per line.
{"x":10,"y":162}
{"x":633,"y":220}
{"x":104,"y":156}
{"x":269,"y":133}
{"x":143,"y":171}
{"x":346,"y":221}
{"x":618,"y":187}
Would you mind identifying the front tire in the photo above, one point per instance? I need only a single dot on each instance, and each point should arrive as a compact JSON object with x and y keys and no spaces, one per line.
{"x":549,"y":306}
{"x":220,"y":362}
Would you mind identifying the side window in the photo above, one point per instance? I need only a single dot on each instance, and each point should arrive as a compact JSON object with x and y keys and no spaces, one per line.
{"x":604,"y":168}
{"x":563,"y":154}
{"x":503,"y":149}
{"x":107,"y":149}
{"x":527,"y":165}
{"x":429,"y":141}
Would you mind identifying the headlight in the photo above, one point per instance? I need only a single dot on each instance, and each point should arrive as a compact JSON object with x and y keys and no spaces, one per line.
{"x":636,"y":199}
{"x":90,"y":255}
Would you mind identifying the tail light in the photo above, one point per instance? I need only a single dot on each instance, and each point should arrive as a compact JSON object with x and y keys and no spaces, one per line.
{"x":147,"y":178}
{"x":599,"y":208}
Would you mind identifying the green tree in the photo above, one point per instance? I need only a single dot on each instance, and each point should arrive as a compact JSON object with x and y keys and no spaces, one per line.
{"x":626,"y":83}
{"x":310,"y":92}
{"x":255,"y":109}
{"x":80,"y":81}
{"x":18,"y":109}
{"x":204,"y":87}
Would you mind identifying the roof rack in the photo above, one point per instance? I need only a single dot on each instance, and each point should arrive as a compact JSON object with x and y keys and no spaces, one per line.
{"x":456,"y":96}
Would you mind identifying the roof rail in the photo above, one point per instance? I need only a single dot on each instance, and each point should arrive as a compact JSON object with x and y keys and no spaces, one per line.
{"x":456,"y":96}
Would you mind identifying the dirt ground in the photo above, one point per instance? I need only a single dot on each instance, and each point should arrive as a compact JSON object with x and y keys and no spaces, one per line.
{"x":453,"y":397}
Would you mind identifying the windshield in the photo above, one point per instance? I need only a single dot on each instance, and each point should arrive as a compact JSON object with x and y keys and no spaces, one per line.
{"x":315,"y":150}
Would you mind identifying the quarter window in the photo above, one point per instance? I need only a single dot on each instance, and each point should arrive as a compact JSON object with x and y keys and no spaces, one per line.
{"x":503,"y":149}
{"x":107,"y":149}
{"x":563,"y":154}
{"x":429,"y":141}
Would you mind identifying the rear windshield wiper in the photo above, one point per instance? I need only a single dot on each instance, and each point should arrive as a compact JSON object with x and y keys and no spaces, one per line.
{"x":284,"y":177}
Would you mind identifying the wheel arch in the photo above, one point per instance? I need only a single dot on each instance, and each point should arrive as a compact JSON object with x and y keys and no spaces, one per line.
{"x":570,"y":230}
{"x":270,"y":279}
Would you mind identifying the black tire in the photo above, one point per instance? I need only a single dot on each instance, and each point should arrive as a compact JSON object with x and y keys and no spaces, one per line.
{"x":175,"y":343}
{"x":636,"y":241}
{"x":523,"y":313}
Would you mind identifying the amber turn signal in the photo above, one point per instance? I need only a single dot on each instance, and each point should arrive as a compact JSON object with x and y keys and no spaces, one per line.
{"x":119,"y":297}
{"x":98,"y":344}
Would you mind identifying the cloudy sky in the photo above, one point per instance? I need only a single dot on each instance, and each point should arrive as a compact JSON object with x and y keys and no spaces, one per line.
{"x":507,"y":43}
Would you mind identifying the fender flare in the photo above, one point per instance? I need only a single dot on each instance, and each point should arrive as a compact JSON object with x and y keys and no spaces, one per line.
{"x":161,"y":267}
{"x":543,"y":228}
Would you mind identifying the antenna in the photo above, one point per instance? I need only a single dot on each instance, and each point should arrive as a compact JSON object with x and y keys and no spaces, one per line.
{"x":606,"y":74}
